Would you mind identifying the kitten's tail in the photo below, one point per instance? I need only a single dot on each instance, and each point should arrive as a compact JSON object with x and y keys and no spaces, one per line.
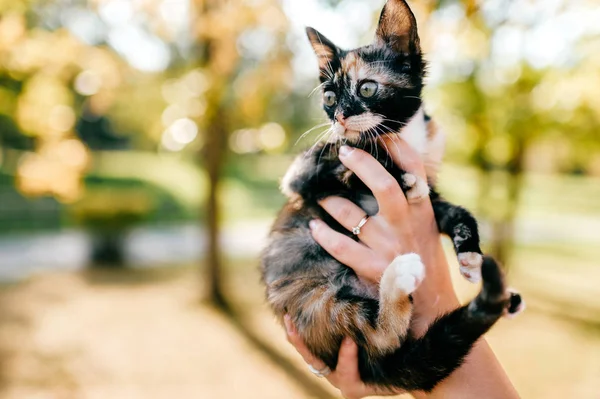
{"x":420,"y":363}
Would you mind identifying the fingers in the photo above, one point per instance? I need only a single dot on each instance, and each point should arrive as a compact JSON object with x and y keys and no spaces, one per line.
{"x":387,"y":191}
{"x":346,"y":375}
{"x":410,"y":161}
{"x":296,"y":340}
{"x":348,"y":252}
{"x":350,"y":215}
{"x":347,"y":366}
{"x":345,"y":212}
{"x":372,"y":233}
{"x":404,"y":156}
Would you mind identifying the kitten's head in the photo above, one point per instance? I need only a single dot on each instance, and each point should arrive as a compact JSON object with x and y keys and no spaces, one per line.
{"x":374,"y":89}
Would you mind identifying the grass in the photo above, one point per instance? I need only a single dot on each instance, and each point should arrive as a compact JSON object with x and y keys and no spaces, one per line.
{"x":543,"y":195}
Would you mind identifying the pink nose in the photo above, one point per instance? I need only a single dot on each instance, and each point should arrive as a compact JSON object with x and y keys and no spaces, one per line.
{"x":341,"y":120}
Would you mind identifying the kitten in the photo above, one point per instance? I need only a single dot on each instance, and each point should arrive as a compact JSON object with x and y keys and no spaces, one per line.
{"x":367,"y":92}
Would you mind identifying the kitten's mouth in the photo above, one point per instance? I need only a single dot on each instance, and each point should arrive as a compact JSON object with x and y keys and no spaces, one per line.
{"x":365,"y":126}
{"x":347,"y":133}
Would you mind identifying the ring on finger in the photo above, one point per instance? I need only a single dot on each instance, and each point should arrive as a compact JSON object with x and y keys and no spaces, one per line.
{"x":363,"y":221}
{"x":324,"y":372}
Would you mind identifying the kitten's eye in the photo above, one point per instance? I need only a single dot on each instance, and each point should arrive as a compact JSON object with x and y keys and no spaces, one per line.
{"x":406,"y":68}
{"x":329,"y":98}
{"x":368,"y":89}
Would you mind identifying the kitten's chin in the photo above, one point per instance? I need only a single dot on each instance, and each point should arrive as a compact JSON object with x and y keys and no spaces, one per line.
{"x":341,"y":133}
{"x":352,"y":135}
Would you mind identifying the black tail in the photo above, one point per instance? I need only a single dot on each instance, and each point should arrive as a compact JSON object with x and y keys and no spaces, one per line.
{"x":421,"y":363}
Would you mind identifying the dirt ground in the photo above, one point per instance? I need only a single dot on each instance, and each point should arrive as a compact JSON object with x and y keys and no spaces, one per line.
{"x":129,"y":335}
{"x":76,"y":336}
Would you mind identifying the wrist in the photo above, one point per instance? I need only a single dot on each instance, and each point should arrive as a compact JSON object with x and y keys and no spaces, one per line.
{"x":436,"y":295}
{"x":428,"y":306}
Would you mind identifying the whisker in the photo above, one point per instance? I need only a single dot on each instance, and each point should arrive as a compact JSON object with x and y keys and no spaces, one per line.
{"x":387,"y":150}
{"x":310,"y":130}
{"x":316,"y":88}
{"x":393,"y":141}
{"x":373,"y":142}
{"x":321,"y":153}
{"x":317,"y":141}
{"x":391,"y":120}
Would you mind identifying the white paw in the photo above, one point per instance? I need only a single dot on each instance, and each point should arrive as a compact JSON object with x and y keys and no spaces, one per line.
{"x":419,"y":189}
{"x":470,"y":266}
{"x":522,"y":306}
{"x":409,"y":179}
{"x":402,"y":276}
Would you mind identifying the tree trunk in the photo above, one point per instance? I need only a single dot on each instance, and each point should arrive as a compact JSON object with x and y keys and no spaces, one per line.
{"x":216,"y":147}
{"x":213,"y":158}
{"x":504,"y":229}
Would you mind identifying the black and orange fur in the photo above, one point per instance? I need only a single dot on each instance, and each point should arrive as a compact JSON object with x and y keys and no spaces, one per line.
{"x":325,"y":299}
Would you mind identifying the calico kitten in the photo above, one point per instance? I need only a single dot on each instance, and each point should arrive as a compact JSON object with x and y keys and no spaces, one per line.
{"x":368,"y":92}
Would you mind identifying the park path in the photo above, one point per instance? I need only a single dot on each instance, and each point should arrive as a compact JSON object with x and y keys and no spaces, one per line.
{"x":99,"y":336}
{"x":144,"y":335}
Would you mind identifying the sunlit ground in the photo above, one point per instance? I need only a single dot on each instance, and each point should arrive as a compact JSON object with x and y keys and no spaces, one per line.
{"x":145,"y":334}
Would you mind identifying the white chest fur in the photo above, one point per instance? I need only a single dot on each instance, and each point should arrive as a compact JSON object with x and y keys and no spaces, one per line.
{"x":415,"y":132}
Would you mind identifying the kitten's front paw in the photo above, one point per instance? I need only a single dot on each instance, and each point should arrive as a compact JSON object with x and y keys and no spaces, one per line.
{"x":402,"y":276}
{"x":470,"y":266}
{"x":418,"y":188}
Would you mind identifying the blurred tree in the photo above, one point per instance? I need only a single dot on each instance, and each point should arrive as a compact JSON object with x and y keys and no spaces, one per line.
{"x":41,"y":97}
{"x":241,"y":52}
{"x":506,"y":107}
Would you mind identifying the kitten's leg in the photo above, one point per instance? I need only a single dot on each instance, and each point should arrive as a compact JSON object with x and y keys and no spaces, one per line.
{"x":416,"y":189}
{"x":442,"y":349}
{"x":458,"y":223}
{"x":399,"y":280}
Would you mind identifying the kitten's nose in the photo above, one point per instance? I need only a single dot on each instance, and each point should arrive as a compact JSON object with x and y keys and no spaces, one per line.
{"x":340,"y":118}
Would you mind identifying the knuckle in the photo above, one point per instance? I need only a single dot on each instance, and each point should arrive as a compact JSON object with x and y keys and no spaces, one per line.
{"x":396,"y":247}
{"x":338,"y":247}
{"x":388,"y":186}
{"x":344,"y":212}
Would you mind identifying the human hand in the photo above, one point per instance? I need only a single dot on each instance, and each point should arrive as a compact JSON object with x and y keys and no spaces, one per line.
{"x":346,"y":376}
{"x":398,"y":228}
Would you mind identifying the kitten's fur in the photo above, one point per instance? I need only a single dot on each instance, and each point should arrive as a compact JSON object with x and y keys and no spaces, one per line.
{"x":325,"y":299}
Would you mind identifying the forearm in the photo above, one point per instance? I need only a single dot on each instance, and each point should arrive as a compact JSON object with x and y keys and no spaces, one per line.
{"x":481,"y":376}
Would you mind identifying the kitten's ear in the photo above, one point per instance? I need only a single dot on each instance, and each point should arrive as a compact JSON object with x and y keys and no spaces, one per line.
{"x":326,"y":51}
{"x":398,"y":28}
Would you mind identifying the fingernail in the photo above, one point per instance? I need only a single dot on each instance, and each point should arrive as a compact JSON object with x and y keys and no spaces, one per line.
{"x":313,"y":224}
{"x":288,"y":324}
{"x":347,"y":341}
{"x":345,"y":151}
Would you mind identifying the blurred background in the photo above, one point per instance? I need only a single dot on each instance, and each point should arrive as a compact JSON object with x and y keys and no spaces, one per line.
{"x":141,"y":144}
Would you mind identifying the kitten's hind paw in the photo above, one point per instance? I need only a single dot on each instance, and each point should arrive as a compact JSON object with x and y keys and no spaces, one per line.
{"x":418,"y":188}
{"x":516,"y":304}
{"x":402,"y":276}
{"x":470,"y":266}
